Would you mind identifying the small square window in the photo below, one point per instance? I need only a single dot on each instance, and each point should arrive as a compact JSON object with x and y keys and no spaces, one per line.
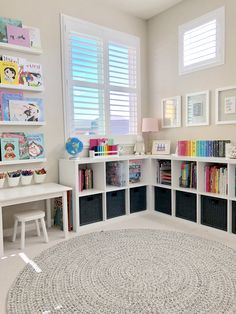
{"x":201,"y":42}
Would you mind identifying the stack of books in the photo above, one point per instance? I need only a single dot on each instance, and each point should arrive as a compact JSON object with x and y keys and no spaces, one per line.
{"x":135,"y":171}
{"x":164,"y":172}
{"x":85,"y":179}
{"x":216,"y":179}
{"x":188,"y":177}
{"x":202,"y":148}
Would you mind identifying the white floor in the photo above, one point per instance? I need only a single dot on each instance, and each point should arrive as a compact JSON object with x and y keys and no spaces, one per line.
{"x":12,"y":263}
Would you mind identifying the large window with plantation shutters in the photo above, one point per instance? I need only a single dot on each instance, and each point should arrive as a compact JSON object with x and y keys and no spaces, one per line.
{"x":101,"y":80}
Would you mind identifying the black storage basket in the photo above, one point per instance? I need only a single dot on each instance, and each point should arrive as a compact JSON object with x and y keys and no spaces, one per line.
{"x":214,"y":212}
{"x":163,"y":200}
{"x":186,"y":206}
{"x":90,"y":209}
{"x":138,"y":199}
{"x":115,"y":204}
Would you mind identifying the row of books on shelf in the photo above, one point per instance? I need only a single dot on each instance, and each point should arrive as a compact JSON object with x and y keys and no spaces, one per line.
{"x":202,"y":148}
{"x":20,"y":146}
{"x":15,"y":107}
{"x":216,"y":179}
{"x":164,"y":172}
{"x":58,"y":217}
{"x":85,"y":179}
{"x":188,"y":175}
{"x":12,"y":31}
{"x":19,"y":71}
{"x":135,"y":171}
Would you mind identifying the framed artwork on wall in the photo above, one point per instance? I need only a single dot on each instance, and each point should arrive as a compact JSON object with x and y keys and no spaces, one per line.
{"x":171,"y":112}
{"x":226,"y":105}
{"x":161,"y":147}
{"x":197,"y":108}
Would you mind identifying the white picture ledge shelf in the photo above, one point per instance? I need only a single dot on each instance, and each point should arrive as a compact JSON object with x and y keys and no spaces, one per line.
{"x":35,"y":51}
{"x":25,"y":123}
{"x":22,"y":87}
{"x":23,"y":161}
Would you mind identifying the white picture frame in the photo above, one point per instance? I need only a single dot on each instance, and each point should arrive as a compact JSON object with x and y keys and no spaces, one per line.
{"x":225,"y":106}
{"x":160,"y":147}
{"x":197,"y":108}
{"x":171,"y":112}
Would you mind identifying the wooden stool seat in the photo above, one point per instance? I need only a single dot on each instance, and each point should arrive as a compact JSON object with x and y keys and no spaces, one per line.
{"x":29,"y":216}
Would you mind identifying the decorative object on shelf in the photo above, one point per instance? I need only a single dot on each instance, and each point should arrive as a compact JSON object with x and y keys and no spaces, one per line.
{"x":171,"y":112}
{"x":139,"y":146}
{"x":197,"y":108}
{"x":73,"y":147}
{"x":13,"y":178}
{"x":135,"y":171}
{"x":40,"y":175}
{"x":10,"y":149}
{"x":231,"y":152}
{"x":102,"y":147}
{"x":161,"y":147}
{"x":164,"y":172}
{"x":202,"y":148}
{"x":2,"y":179}
{"x":116,"y":173}
{"x":26,"y":177}
{"x":149,"y":125}
{"x":226,"y":105}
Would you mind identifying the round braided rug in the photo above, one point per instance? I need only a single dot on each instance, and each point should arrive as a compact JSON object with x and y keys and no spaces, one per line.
{"x":129,"y":271}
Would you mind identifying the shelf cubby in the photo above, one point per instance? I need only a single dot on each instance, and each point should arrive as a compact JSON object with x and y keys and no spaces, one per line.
{"x":98,"y":182}
{"x":138,"y":172}
{"x":163,"y":202}
{"x":90,"y":209}
{"x":184,"y":175}
{"x":116,"y":174}
{"x":115,"y":204}
{"x":138,"y":199}
{"x":186,"y":206}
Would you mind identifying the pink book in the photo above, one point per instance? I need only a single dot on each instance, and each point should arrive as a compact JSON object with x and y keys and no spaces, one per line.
{"x":18,"y":36}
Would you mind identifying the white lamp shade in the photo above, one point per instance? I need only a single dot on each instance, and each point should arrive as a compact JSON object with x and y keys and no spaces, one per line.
{"x":150,"y":125}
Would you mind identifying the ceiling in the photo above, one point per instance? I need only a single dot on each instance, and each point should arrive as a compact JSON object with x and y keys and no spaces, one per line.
{"x":144,"y":9}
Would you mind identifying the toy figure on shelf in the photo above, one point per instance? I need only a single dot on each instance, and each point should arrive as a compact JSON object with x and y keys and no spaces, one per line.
{"x":139,"y":147}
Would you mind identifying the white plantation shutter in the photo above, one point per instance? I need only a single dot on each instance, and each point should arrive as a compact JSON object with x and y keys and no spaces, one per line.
{"x":201,"y":42}
{"x":101,"y":80}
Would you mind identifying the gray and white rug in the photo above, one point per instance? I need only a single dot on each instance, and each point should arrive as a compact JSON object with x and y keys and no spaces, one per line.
{"x":129,"y":271}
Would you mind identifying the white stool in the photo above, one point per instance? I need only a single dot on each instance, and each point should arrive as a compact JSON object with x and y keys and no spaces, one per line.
{"x":29,"y":216}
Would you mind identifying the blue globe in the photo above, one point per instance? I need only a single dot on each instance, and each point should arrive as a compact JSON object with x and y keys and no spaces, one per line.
{"x":74,"y":146}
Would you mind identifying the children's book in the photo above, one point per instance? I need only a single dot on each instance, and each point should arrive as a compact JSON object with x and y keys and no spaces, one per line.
{"x":23,"y":144}
{"x":36,"y":145}
{"x":34,"y":35}
{"x":26,"y":109}
{"x":5,"y":98}
{"x":31,"y":75}
{"x":3,"y":27}
{"x":18,"y":36}
{"x":9,"y":149}
{"x":9,"y":72}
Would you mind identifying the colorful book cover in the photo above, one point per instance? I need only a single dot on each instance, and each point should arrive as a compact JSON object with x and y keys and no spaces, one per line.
{"x":34,"y":35}
{"x":23,"y":144}
{"x":31,"y":75}
{"x":9,"y":72}
{"x":18,"y":36}
{"x":3,"y":27}
{"x":26,"y":109}
{"x":36,"y":145}
{"x":6,"y":97}
{"x":9,"y":149}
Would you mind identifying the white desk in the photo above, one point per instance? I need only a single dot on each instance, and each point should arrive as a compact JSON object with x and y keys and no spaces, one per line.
{"x":31,"y":193}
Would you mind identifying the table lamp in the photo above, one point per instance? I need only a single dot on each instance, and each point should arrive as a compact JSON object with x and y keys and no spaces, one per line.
{"x":149,"y":125}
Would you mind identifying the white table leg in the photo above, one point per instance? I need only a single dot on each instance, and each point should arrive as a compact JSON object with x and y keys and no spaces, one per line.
{"x":65,"y":214}
{"x":49,"y":217}
{"x":1,"y":234}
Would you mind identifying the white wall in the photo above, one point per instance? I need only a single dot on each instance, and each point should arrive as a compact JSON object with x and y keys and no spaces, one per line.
{"x":46,"y":16}
{"x":164,"y":80}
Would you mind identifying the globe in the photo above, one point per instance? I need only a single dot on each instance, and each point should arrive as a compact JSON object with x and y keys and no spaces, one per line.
{"x":74,"y":146}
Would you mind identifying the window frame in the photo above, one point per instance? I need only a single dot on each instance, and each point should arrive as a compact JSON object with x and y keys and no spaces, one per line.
{"x":219,"y":16}
{"x":113,"y":35}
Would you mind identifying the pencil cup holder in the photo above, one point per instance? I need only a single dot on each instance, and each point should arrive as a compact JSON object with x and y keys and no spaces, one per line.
{"x":2,"y":182}
{"x":26,"y":180}
{"x":39,"y":178}
{"x":13,"y":181}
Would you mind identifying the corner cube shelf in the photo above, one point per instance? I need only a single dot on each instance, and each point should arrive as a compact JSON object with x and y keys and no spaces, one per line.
{"x":140,"y":190}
